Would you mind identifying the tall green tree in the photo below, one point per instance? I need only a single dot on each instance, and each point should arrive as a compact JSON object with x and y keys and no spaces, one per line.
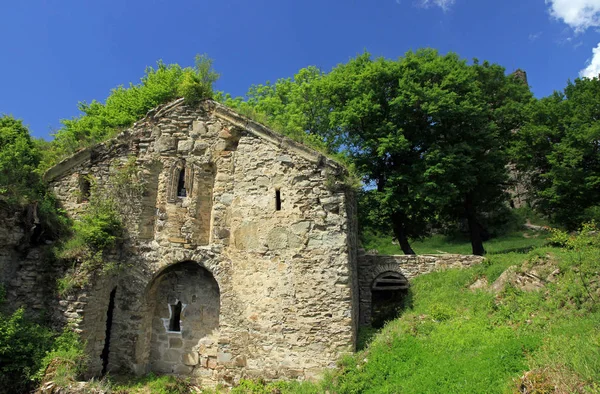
{"x":428,"y":133}
{"x":431,"y":132}
{"x":559,"y":149}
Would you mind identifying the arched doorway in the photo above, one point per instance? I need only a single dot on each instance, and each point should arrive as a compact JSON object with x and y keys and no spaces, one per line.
{"x":184,"y":301}
{"x":388,"y":292}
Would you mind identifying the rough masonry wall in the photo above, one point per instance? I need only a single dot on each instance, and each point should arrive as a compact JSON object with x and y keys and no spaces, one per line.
{"x":285,"y":277}
{"x":27,"y":274}
{"x":370,"y":266}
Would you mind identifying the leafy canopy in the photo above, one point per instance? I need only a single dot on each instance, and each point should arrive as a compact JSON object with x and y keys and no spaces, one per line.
{"x":19,"y":158}
{"x":559,"y":149}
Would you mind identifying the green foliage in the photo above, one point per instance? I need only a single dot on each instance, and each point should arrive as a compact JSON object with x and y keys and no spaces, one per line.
{"x":150,"y":383}
{"x":514,"y":242}
{"x":558,"y":149}
{"x":427,"y":133}
{"x":19,"y":158}
{"x":65,"y":362}
{"x":99,"y":122}
{"x":197,"y":84}
{"x":22,"y":348}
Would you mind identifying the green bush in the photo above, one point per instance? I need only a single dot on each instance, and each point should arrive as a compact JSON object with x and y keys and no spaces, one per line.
{"x":23,"y":345}
{"x":151,"y":383}
{"x":66,"y":360}
{"x":19,"y":158}
{"x":196,"y":83}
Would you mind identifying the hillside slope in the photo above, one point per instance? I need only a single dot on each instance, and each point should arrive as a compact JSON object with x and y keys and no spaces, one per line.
{"x":527,"y":323}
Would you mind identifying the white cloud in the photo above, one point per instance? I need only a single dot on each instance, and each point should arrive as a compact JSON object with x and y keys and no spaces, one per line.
{"x":534,"y":36}
{"x":578,"y":14}
{"x":443,"y":4}
{"x":593,"y":68}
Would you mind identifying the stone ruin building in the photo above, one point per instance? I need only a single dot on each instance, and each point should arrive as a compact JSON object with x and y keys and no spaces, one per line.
{"x":241,"y":260}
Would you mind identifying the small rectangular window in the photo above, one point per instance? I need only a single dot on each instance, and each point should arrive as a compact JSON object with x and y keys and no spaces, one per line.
{"x":174,"y":323}
{"x":277,"y":200}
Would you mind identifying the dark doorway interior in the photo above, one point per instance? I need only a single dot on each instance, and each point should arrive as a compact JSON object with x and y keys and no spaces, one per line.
{"x":109,"y":320}
{"x":388,"y":296}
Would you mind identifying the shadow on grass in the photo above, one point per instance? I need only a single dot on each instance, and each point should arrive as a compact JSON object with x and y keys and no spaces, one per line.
{"x":522,"y":250}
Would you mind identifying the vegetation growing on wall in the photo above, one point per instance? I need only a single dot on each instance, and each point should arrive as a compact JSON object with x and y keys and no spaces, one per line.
{"x":100,"y":121}
{"x":101,"y":227}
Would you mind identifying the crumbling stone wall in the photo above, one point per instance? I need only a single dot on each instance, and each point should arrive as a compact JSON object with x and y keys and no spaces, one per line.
{"x":264,"y":216}
{"x":27,"y":273}
{"x":371,"y":266}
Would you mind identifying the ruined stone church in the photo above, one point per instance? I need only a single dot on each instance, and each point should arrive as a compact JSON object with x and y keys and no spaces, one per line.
{"x":242,"y":260}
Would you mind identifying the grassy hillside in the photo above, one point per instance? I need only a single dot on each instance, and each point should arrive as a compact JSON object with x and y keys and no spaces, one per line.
{"x":452,"y":338}
{"x":518,"y":323}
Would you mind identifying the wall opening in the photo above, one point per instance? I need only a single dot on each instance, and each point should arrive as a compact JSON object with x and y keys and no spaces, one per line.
{"x":85,"y":188}
{"x":175,"y":322}
{"x":109,"y":319}
{"x":388,"y":296}
{"x":184,"y":305}
{"x":277,"y":200}
{"x":181,"y":190}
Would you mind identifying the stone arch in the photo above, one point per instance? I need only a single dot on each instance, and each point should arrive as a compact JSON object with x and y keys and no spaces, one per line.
{"x":389,"y":289}
{"x":189,"y":292}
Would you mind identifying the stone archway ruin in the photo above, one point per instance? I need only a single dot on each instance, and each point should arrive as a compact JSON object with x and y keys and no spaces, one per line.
{"x":388,"y":293}
{"x":183,"y":304}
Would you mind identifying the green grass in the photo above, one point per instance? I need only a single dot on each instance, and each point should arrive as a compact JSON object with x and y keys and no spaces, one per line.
{"x":521,"y":242}
{"x":149,"y":384}
{"x":452,"y":339}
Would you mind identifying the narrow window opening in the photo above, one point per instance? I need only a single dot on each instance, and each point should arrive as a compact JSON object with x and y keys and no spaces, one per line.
{"x":174,"y":324}
{"x":109,"y":320}
{"x":181,"y":191}
{"x":84,"y":189}
{"x":277,"y":200}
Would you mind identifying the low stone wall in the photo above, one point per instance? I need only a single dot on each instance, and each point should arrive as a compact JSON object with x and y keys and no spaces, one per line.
{"x":370,"y":266}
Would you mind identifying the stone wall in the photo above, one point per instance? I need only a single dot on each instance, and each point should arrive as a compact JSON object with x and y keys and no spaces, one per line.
{"x":27,"y":273}
{"x":286,"y":275}
{"x":371,"y":266}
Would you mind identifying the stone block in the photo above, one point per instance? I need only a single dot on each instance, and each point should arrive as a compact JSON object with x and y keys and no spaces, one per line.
{"x":175,"y":343}
{"x":184,"y":146}
{"x":165,"y":143}
{"x":190,"y":359}
{"x":212,"y":362}
{"x":223,"y":357}
{"x":172,"y":355}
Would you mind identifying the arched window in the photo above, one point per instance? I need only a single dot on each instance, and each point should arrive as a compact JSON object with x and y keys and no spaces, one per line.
{"x":181,"y":191}
{"x":181,"y":177}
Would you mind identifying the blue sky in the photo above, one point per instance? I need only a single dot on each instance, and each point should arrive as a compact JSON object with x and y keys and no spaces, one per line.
{"x":58,"y":52}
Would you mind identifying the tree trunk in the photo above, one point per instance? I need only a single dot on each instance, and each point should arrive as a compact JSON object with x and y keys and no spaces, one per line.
{"x":475,"y":228}
{"x":400,"y":233}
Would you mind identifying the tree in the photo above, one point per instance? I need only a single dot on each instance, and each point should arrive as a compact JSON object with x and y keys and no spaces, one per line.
{"x":431,"y":132}
{"x":428,"y":133}
{"x":559,"y":149}
{"x":18,"y":160}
